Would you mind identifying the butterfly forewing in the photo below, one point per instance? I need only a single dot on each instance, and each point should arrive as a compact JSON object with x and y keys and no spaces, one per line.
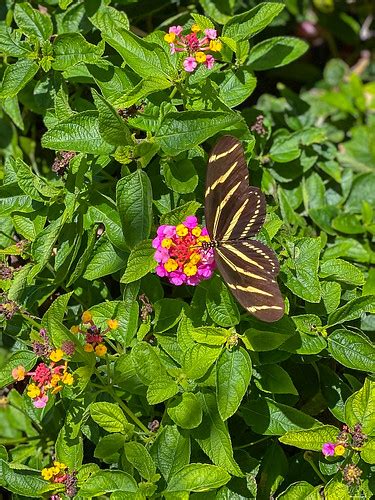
{"x":233,"y":209}
{"x":234,"y":213}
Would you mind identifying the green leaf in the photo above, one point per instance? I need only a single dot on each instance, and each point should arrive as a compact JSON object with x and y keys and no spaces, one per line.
{"x":198,"y":478}
{"x":352,"y":310}
{"x":198,"y":359}
{"x":247,"y":24}
{"x":69,"y":442}
{"x":180,"y":176}
{"x":268,"y":336}
{"x":335,"y":391}
{"x":236,"y":87}
{"x":368,"y":451}
{"x":109,"y":416}
{"x":70,"y":49}
{"x":80,"y":133}
{"x":276,"y":52}
{"x":184,"y":130}
{"x":360,"y":408}
{"x":146,"y":362}
{"x":106,"y":481}
{"x":146,"y":59}
{"x":268,"y":417}
{"x":210,"y":335}
{"x":340,"y":270}
{"x":167,"y":314}
{"x":109,"y":445}
{"x":180,"y":213}
{"x":233,"y":374}
{"x":33,"y":22}
{"x":161,"y":388}
{"x":202,"y":21}
{"x":303,"y":280}
{"x":140,"y":458}
{"x":273,"y":378}
{"x":213,"y":436}
{"x":141,"y":261}
{"x":312,"y":439}
{"x":106,"y":259}
{"x":143,"y":89}
{"x":25,"y":482}
{"x":171,"y":451}
{"x":287,"y":147}
{"x":16,"y":76}
{"x":134,"y":203}
{"x":186,"y":411}
{"x":221,"y":305}
{"x":25,"y":358}
{"x":352,"y":349}
{"x":300,"y":490}
{"x":336,"y":490}
{"x":112,"y":128}
{"x":273,"y":470}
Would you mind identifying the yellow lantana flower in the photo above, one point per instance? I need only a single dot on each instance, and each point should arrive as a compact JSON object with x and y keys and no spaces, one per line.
{"x":195,"y":28}
{"x":339,"y":450}
{"x":200,"y":57}
{"x":190,"y":270}
{"x":215,"y":45}
{"x":166,"y":243}
{"x":74,"y":329}
{"x":88,"y":348}
{"x":56,"y":355}
{"x":33,"y":391}
{"x":86,"y":317}
{"x":181,"y":230}
{"x":112,"y":323}
{"x":47,"y":473}
{"x":100,"y":350}
{"x":170,"y":265}
{"x":170,"y":37}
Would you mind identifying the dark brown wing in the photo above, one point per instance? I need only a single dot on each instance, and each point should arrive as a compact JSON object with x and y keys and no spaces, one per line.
{"x":233,"y":209}
{"x":249,"y":268}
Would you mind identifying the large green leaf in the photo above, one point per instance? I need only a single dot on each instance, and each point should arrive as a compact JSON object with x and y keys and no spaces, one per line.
{"x":275,"y":52}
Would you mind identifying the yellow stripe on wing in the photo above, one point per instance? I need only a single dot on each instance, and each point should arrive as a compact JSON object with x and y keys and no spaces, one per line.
{"x":221,"y":206}
{"x":249,"y":289}
{"x":240,"y":269}
{"x":223,"y":154}
{"x":221,"y":179}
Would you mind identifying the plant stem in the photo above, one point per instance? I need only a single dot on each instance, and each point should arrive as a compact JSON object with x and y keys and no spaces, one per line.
{"x":251,"y":444}
{"x":129,"y":412}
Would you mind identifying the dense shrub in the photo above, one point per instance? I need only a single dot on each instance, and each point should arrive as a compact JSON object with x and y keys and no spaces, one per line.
{"x":116,"y":382}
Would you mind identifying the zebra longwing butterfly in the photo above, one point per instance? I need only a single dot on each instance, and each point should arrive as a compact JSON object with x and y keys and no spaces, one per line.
{"x":234,"y":213}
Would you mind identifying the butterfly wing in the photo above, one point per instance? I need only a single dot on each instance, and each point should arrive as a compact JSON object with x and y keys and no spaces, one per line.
{"x":249,"y":268}
{"x":233,"y":209}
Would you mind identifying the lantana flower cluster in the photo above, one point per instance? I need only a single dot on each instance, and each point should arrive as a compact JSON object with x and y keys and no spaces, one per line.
{"x":94,"y":336}
{"x":180,"y":255}
{"x":346,"y":439}
{"x":58,"y":473}
{"x":49,"y":377}
{"x":194,"y":47}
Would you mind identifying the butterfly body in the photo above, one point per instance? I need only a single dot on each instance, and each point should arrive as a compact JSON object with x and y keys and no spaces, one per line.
{"x":235,"y":212}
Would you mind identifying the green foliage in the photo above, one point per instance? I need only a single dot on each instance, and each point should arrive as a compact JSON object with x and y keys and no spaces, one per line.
{"x":184,"y":395}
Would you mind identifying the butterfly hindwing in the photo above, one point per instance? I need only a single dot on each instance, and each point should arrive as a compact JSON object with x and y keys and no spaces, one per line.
{"x":233,"y":209}
{"x":249,"y":269}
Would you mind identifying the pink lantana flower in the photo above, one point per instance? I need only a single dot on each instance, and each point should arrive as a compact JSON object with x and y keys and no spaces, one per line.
{"x":328,"y":449}
{"x":211,"y":34}
{"x":210,"y":61}
{"x":190,"y":64}
{"x":180,"y":254}
{"x":41,"y":401}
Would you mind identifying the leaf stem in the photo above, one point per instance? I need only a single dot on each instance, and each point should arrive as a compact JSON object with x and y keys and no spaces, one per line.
{"x":251,"y":444}
{"x":129,"y":412}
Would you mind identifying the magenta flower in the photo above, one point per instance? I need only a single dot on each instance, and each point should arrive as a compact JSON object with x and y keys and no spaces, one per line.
{"x":179,"y":253}
{"x":190,"y":64}
{"x":210,"y":61}
{"x":211,"y":34}
{"x":177,"y":30}
{"x":328,"y":449}
{"x":41,"y":401}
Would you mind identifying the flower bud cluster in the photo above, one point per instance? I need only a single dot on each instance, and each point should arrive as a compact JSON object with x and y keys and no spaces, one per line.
{"x":346,"y":439}
{"x":93,"y":335}
{"x":58,"y":473}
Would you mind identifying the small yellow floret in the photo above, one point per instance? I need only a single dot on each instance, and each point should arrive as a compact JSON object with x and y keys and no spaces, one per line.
{"x":171,"y":265}
{"x":195,"y":258}
{"x":112,"y":323}
{"x":56,"y":355}
{"x":88,"y":348}
{"x":33,"y":391}
{"x":181,"y":230}
{"x":47,"y":473}
{"x":67,"y":379}
{"x":200,"y":57}
{"x":190,"y":270}
{"x":74,"y":329}
{"x":61,"y":465}
{"x":55,"y":379}
{"x":170,"y":37}
{"x":100,"y":350}
{"x":196,"y":231}
{"x":18,"y":373}
{"x":215,"y":45}
{"x":86,"y":317}
{"x":339,"y":450}
{"x":202,"y":239}
{"x":195,"y":28}
{"x":166,"y":243}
